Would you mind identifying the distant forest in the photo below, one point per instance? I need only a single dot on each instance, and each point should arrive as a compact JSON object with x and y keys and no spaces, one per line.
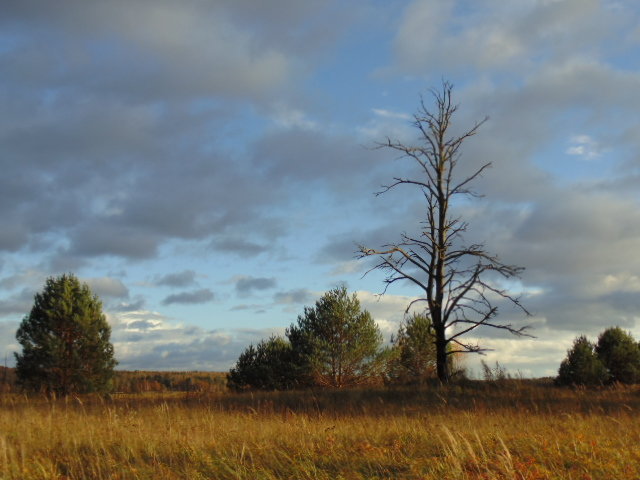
{"x":144,"y":381}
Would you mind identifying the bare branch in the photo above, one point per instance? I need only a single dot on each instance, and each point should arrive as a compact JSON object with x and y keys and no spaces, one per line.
{"x":453,"y":279}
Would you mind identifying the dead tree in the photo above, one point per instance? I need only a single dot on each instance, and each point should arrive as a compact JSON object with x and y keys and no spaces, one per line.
{"x":458,"y":294}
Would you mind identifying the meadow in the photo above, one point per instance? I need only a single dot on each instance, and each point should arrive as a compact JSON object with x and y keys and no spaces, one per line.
{"x":515,"y":429}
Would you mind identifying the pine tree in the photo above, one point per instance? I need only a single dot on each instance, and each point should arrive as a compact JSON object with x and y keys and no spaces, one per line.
{"x":414,"y":351}
{"x":65,"y":341}
{"x":336,"y":344}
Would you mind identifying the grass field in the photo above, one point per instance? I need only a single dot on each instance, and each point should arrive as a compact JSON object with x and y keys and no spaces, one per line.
{"x":515,"y":430}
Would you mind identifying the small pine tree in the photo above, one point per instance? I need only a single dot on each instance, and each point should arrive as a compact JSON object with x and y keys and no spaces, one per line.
{"x":65,"y":341}
{"x":336,"y":343}
{"x":582,"y":366}
{"x":619,"y":352}
{"x":413,"y":357}
{"x":267,"y":366}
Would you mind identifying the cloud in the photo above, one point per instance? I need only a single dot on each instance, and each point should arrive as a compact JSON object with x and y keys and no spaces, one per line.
{"x":238,"y":246}
{"x":197,"y":296}
{"x":257,"y":308}
{"x":8,"y":342}
{"x":296,"y":296}
{"x":144,"y":340}
{"x":19,"y":303}
{"x":193,"y":39}
{"x":287,"y":118}
{"x":584,"y":146}
{"x":107,"y":287}
{"x":381,"y":112}
{"x":178,"y":279}
{"x":129,"y":306}
{"x":32,"y":277}
{"x":476,"y":42}
{"x":245,"y":285}
{"x":387,"y":310}
{"x":537,"y":358}
{"x":330,"y":160}
{"x":108,"y":176}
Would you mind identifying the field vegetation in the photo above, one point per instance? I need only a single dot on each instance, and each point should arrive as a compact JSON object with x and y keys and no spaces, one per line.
{"x":507,"y":429}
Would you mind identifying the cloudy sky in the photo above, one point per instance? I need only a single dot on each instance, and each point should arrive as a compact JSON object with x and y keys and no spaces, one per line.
{"x":206,"y":166}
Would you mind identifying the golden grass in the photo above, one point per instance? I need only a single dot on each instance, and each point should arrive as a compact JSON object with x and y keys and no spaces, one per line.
{"x":517,"y":431}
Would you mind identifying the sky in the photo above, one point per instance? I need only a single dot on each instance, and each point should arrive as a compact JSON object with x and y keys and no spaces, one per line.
{"x":208,"y":167}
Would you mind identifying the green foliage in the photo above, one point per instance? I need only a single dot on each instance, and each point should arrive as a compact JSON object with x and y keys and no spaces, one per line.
{"x":65,"y":341}
{"x":336,"y":344}
{"x":268,"y":366}
{"x":413,"y":358}
{"x":582,"y":366}
{"x":615,"y":358}
{"x":619,"y":352}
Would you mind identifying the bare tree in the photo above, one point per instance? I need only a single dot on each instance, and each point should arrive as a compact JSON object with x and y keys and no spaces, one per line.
{"x":458,"y":294}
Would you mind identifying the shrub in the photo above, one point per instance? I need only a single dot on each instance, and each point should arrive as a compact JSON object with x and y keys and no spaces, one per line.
{"x":582,"y":366}
{"x":268,"y":366}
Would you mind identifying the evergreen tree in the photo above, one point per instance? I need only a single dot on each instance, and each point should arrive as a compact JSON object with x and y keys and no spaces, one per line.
{"x":65,"y":341}
{"x":582,"y":366}
{"x":619,"y":352}
{"x":335,"y":343}
{"x":267,"y":366}
{"x":413,"y":352}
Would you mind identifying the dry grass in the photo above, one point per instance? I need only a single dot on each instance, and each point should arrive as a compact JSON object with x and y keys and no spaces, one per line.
{"x":518,"y":431}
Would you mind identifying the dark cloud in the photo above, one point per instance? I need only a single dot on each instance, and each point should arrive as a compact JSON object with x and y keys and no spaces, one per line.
{"x":246,"y":285}
{"x":297,"y":296}
{"x":198,"y":296}
{"x":238,"y":246}
{"x":129,"y":306}
{"x":18,"y":304}
{"x":477,"y":43}
{"x":122,"y":162}
{"x":108,"y":239}
{"x":258,"y":309}
{"x":34,"y":278}
{"x":312,"y":157}
{"x":179,"y":279}
{"x":107,"y":287}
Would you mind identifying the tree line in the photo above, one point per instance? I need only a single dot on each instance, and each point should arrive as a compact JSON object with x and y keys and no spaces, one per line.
{"x":337,"y":344}
{"x":614,"y":358}
{"x":334,"y":344}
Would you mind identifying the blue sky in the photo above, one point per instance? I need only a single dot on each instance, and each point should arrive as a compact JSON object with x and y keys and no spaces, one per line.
{"x":205,"y":166}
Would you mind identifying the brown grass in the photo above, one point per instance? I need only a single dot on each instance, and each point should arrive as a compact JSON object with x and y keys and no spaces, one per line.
{"x":517,"y":430}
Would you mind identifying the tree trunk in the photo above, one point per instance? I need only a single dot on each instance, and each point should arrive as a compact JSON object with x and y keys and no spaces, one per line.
{"x":442,"y":360}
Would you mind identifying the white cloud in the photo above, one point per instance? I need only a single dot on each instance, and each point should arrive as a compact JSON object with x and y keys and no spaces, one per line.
{"x":387,"y":310}
{"x":529,"y":357}
{"x":381,"y":112}
{"x":584,"y":146}
{"x":148,"y":340}
{"x":289,"y":118}
{"x":386,"y":124}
